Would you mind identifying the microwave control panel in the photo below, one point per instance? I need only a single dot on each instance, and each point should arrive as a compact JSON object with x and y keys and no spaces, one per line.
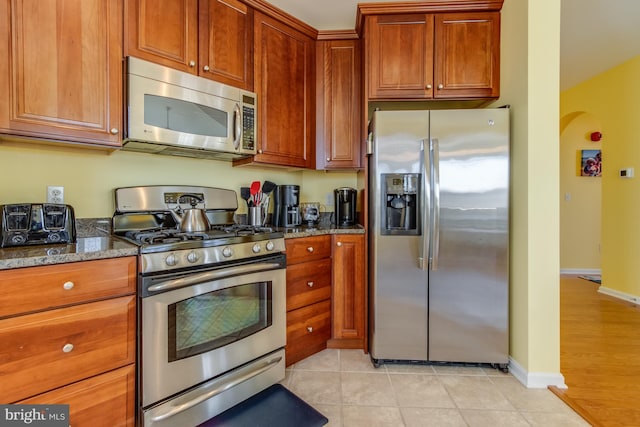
{"x":248,"y":122}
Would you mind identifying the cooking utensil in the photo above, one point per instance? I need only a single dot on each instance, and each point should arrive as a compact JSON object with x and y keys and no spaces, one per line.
{"x":255,"y":190}
{"x":245,"y":193}
{"x":267,"y":189}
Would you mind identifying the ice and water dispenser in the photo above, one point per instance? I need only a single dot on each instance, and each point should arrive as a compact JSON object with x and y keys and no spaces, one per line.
{"x":402,"y":200}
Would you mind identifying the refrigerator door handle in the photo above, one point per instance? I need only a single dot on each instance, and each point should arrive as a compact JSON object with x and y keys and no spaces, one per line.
{"x":425,"y":168}
{"x":435,"y":226}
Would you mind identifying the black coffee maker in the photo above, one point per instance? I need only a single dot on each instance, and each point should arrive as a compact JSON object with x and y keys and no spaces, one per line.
{"x":345,"y":206}
{"x":286,"y":209}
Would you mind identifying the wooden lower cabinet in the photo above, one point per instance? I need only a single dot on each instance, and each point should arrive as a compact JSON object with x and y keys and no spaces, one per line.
{"x":106,"y":400}
{"x":308,"y":296}
{"x":348,"y":314}
{"x":72,"y":340}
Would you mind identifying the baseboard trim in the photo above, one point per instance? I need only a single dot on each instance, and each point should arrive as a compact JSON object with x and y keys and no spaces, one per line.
{"x":579,"y":271}
{"x":535,"y":379}
{"x":620,"y":295}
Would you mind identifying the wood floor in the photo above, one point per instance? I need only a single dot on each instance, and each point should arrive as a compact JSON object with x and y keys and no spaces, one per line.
{"x":599,"y":354}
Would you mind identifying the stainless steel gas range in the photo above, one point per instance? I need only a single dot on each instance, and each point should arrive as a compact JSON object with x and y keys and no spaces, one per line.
{"x":212,"y":310}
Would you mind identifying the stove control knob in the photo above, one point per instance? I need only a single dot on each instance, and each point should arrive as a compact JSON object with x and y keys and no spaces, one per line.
{"x":269,"y":245}
{"x":227,"y":252}
{"x":171,"y":260}
{"x":193,"y":257}
{"x":256,"y":248}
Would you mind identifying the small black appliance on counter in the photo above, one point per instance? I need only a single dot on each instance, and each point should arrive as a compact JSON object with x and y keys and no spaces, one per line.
{"x":345,"y":206}
{"x":25,"y":224}
{"x":286,"y":211}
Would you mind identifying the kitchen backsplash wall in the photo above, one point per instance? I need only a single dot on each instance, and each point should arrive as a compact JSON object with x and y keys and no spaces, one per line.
{"x":89,"y":177}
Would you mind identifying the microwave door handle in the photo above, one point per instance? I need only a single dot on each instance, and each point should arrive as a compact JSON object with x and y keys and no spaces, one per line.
{"x":237,"y":126}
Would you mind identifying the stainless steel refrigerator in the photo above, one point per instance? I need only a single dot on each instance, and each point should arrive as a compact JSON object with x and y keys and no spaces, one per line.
{"x":439,"y":234}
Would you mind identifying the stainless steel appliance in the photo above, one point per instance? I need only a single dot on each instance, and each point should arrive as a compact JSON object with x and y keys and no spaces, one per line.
{"x":286,"y":209}
{"x":345,"y":206}
{"x":175,"y":113}
{"x":439,"y":233}
{"x":24,"y":224}
{"x":212,"y":310}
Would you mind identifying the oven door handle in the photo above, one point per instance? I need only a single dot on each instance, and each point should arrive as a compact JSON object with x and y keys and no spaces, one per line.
{"x":194,"y":279}
{"x":211,"y":389}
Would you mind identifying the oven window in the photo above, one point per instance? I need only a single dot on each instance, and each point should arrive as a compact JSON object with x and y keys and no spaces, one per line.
{"x":182,"y":116}
{"x":219,"y":318}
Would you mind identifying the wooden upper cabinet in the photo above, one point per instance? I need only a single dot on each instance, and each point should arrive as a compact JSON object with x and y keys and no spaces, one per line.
{"x":226,"y":42}
{"x":283,"y":66}
{"x":166,"y":33}
{"x":433,"y":56}
{"x":400,"y":56}
{"x":467,"y":55}
{"x":209,"y":38}
{"x":61,"y":70}
{"x":338,"y":135}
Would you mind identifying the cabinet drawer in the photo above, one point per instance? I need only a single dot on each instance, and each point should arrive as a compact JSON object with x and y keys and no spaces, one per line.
{"x":308,"y":282}
{"x":38,"y":288}
{"x":105,"y":400}
{"x":308,"y":249}
{"x":46,"y":350}
{"x":308,"y":330}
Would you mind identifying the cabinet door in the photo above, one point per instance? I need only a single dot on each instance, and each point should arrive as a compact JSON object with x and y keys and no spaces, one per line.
{"x":105,"y":400}
{"x":165,"y":33}
{"x":226,"y":42}
{"x":284,"y":84}
{"x":399,"y":51}
{"x":61,"y":72}
{"x":338,"y":100}
{"x":467,"y":55}
{"x":348,"y":294}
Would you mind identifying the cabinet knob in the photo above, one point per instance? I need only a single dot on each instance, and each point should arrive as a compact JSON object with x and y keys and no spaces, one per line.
{"x":206,"y":68}
{"x":339,"y":244}
{"x":192,"y":63}
{"x":68,"y":285}
{"x":310,"y":249}
{"x":440,"y":86}
{"x":309,"y":329}
{"x":114,"y":131}
{"x":428,"y":86}
{"x":259,"y":151}
{"x":328,"y":159}
{"x":310,"y":284}
{"x":68,"y":348}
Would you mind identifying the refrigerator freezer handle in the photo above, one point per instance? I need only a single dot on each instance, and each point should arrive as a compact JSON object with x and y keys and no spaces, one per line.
{"x":435,"y":225}
{"x":425,"y":167}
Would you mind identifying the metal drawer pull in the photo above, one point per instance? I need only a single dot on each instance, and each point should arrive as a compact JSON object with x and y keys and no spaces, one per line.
{"x":309,"y":329}
{"x":310,"y":284}
{"x":68,"y":348}
{"x":339,"y":244}
{"x":310,"y":249}
{"x":68,"y":285}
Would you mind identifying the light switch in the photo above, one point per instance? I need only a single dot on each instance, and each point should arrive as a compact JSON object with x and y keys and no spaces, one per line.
{"x":567,"y":197}
{"x":626,"y":173}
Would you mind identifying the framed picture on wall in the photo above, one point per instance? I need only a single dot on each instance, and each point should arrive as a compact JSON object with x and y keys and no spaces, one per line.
{"x":590,"y":163}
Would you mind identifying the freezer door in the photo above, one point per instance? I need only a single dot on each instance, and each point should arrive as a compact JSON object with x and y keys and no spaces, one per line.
{"x":398,"y":284}
{"x":468,"y":282}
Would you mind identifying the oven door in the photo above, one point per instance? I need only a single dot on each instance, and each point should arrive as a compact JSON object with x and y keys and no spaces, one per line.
{"x":206,"y":323}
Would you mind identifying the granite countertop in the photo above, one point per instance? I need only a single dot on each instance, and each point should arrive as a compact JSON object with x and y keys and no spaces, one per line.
{"x":94,"y":241}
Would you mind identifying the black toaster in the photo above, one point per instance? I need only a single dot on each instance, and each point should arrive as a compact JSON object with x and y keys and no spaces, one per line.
{"x":26,"y":224}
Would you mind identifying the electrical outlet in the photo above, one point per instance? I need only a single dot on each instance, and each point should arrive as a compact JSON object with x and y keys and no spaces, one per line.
{"x":55,"y":194}
{"x":328,"y":199}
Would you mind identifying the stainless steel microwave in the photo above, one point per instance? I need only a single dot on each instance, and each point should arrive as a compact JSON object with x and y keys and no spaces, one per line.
{"x":175,"y":113}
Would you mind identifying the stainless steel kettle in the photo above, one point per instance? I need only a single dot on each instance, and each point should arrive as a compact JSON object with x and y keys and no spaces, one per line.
{"x":192,"y":219}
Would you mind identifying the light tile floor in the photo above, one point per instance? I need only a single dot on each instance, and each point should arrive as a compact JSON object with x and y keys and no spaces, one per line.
{"x":345,"y":387}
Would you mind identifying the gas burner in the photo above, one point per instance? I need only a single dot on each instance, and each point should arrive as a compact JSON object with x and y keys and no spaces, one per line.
{"x":242,"y":229}
{"x":149,"y":237}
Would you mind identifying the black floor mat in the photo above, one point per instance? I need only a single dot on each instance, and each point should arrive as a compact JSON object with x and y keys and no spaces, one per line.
{"x":273,"y":407}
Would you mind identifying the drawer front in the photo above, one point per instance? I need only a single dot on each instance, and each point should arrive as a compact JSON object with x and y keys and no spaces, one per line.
{"x":308,"y":249}
{"x":105,"y":400}
{"x":38,"y":288}
{"x":308,"y":330}
{"x":308,"y":283}
{"x":47,"y":350}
